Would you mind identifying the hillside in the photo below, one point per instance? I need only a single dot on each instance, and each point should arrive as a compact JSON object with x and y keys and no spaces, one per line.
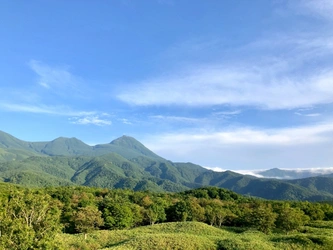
{"x":196,"y":235}
{"x":126,"y":163}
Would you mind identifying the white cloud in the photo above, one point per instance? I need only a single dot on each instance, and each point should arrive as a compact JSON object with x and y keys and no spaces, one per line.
{"x":306,"y":171}
{"x":280,"y":72}
{"x":228,"y":113}
{"x":244,"y":86}
{"x":125,"y":121}
{"x":39,"y":109}
{"x":308,"y":115}
{"x":319,"y":8}
{"x":57,"y":79}
{"x":94,"y":120}
{"x":249,"y":148}
{"x":180,"y":119}
{"x":77,"y":117}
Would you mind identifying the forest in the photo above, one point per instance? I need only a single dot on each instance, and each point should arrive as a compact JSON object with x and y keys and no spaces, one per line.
{"x":35,"y":218}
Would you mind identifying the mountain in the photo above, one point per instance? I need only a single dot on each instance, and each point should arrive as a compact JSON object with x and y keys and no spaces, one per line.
{"x":65,"y":146}
{"x":292,"y":174}
{"x":127,"y":147}
{"x":126,"y":163}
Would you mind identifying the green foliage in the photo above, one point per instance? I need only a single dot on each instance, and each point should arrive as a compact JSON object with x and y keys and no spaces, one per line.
{"x":262,"y":217}
{"x":29,"y":220}
{"x":155,"y":212}
{"x":239,"y":223}
{"x":290,"y":219}
{"x":117,"y":215}
{"x":87,"y":219}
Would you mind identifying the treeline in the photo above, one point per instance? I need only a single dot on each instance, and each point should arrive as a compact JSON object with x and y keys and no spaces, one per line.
{"x":30,"y":218}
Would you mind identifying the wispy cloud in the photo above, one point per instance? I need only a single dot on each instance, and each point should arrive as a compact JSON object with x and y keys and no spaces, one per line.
{"x":251,"y":136}
{"x":249,"y":148}
{"x":125,"y":121}
{"x":60,"y":81}
{"x":268,"y":78}
{"x":57,"y":79}
{"x":39,"y":109}
{"x":179,"y":119}
{"x":291,"y":173}
{"x":93,"y":119}
{"x":76,"y":117}
{"x":318,"y":8}
{"x":308,"y":115}
{"x":238,"y":87}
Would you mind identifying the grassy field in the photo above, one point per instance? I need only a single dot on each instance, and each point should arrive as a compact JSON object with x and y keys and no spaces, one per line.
{"x":195,"y":235}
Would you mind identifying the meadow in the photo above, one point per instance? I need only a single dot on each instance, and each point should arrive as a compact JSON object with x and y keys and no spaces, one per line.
{"x":197,"y":235}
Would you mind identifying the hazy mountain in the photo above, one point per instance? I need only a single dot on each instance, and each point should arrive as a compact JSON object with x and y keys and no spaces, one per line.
{"x":292,"y":174}
{"x":126,"y":163}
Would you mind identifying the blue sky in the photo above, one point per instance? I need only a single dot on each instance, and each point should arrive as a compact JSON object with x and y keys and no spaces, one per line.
{"x":226,"y":84}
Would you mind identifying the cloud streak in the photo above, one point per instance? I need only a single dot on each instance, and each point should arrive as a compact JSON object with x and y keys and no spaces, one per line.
{"x":91,"y":120}
{"x":250,"y":148}
{"x":265,"y":80}
{"x":76,"y":117}
{"x":237,"y":87}
{"x":56,"y":79}
{"x":318,"y":8}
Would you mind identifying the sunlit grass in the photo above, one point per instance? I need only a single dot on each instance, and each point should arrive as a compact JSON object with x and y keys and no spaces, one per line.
{"x":195,"y":235}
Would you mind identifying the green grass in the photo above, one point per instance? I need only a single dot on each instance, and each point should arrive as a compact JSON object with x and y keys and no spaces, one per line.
{"x":195,"y":235}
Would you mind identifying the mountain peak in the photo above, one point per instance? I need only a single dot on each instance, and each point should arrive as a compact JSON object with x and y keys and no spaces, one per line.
{"x":125,"y":140}
{"x":66,"y":146}
{"x":131,"y":143}
{"x":9,"y":141}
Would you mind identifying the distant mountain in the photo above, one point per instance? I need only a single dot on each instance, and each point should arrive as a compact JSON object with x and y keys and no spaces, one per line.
{"x":126,"y":163}
{"x":66,"y":146}
{"x":292,"y":174}
{"x":126,"y":146}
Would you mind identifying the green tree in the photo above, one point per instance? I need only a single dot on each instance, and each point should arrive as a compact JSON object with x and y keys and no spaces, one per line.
{"x":290,"y":219}
{"x":155,"y":213}
{"x":87,"y":219}
{"x":313,"y":210}
{"x":29,"y":220}
{"x":179,"y":211}
{"x":196,"y":211}
{"x":118,"y":216}
{"x":263,"y":217}
{"x":210,"y":215}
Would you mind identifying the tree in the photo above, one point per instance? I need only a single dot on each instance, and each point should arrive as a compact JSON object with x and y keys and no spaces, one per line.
{"x":216,"y":213}
{"x":196,"y":212}
{"x":118,"y":215}
{"x":263,"y":217}
{"x":313,"y":210}
{"x":179,"y":211}
{"x":210,"y":215}
{"x":29,"y":220}
{"x":155,"y":213}
{"x":290,"y":219}
{"x":87,"y":219}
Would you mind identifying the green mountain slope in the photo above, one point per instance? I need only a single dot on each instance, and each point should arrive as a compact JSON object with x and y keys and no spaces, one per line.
{"x":66,"y":146}
{"x":127,"y":147}
{"x":126,"y":163}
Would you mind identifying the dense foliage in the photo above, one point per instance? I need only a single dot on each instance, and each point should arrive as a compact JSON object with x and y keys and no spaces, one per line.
{"x":30,"y":218}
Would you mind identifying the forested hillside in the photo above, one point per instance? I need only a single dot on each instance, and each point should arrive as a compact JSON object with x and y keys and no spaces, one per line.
{"x":35,"y":218}
{"x":126,"y":163}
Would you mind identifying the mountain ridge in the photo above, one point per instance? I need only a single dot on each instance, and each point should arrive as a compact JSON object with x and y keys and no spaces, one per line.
{"x":127,"y":163}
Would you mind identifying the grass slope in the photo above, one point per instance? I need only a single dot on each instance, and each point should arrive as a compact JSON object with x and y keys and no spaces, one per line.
{"x":195,"y":235}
